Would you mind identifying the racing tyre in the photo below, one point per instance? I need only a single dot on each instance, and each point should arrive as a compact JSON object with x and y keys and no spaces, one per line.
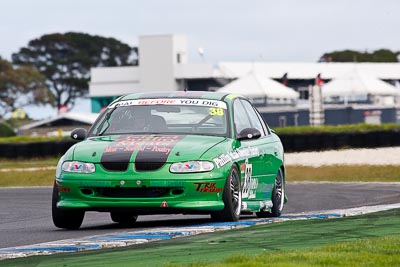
{"x":232,"y":198}
{"x":124,"y":218}
{"x":67,"y":219}
{"x":278,"y":198}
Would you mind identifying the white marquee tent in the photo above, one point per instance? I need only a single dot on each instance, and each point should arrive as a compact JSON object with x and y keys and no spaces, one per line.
{"x":256,"y":86}
{"x":358,"y":85}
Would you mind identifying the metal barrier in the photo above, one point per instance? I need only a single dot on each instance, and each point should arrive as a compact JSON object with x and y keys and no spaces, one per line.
{"x":326,"y":141}
{"x":291,"y":143}
{"x":35,"y":150}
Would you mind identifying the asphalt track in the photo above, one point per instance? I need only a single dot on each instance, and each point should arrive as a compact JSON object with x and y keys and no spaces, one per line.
{"x":25,"y":213}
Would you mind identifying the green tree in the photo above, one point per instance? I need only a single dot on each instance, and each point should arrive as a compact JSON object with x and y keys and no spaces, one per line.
{"x":21,"y":86}
{"x":6,"y":130}
{"x":381,"y":55}
{"x":384,"y":55}
{"x":65,"y":60}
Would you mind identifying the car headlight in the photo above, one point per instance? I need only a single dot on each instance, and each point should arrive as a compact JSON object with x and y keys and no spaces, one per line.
{"x":191,"y":166}
{"x":78,"y":166}
{"x":59,"y":166}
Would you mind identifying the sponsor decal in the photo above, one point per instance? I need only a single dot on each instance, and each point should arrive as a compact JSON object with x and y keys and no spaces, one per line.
{"x":157,"y":148}
{"x":119,"y":151}
{"x":62,"y":189}
{"x":132,"y":143}
{"x":164,"y":204}
{"x":249,"y":184}
{"x":222,"y":160}
{"x":242,"y":167}
{"x":216,"y":112}
{"x":150,"y":148}
{"x":189,"y":166}
{"x":78,"y":166}
{"x":207,"y":187}
{"x":172,"y":101}
{"x":237,"y":154}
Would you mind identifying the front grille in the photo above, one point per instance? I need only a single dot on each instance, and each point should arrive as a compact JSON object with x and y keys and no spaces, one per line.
{"x":143,"y":192}
{"x":115,"y":166}
{"x":148,"y":166}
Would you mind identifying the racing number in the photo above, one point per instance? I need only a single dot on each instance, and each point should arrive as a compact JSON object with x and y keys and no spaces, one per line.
{"x":216,"y":111}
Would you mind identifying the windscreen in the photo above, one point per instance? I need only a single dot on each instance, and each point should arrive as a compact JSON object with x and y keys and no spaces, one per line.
{"x":163,"y":116}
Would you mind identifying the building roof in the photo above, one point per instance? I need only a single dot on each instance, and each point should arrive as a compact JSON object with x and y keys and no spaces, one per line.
{"x":301,"y":70}
{"x":85,"y":118}
{"x":257,"y":85}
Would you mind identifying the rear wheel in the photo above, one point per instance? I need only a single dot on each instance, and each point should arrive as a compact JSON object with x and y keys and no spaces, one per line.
{"x":278,"y":198}
{"x":124,"y":218}
{"x":67,"y":219}
{"x":232,"y":198}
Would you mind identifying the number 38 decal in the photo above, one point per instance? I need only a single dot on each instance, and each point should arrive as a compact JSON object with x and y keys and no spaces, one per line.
{"x":216,"y":111}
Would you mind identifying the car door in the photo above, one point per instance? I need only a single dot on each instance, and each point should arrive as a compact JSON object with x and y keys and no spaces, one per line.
{"x":256,"y":163}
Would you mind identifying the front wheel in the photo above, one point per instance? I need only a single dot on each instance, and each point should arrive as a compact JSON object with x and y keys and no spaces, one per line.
{"x":66,"y":219}
{"x":232,"y":198}
{"x":278,"y":198}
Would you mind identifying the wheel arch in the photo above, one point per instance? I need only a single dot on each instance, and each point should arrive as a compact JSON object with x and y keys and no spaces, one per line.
{"x":237,"y":165}
{"x":283,"y":169}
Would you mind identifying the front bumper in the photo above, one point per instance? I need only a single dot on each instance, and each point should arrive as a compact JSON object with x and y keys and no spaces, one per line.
{"x":180,"y":193}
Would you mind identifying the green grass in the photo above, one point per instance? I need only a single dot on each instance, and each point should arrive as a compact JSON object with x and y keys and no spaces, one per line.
{"x":28,"y":163}
{"x":30,"y":139}
{"x":383,"y":251}
{"x":363,"y":127}
{"x":27,"y":178}
{"x":356,"y":173}
{"x":368,"y":240}
{"x":363,"y":173}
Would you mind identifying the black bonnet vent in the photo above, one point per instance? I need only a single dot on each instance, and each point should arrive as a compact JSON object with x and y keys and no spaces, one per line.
{"x":148,"y":166}
{"x":115,"y":166}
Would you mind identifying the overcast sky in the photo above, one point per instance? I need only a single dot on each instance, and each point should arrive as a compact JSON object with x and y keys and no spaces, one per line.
{"x":227,"y":30}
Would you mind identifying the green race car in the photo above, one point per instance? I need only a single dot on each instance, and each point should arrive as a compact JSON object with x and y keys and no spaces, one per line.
{"x":168,"y":153}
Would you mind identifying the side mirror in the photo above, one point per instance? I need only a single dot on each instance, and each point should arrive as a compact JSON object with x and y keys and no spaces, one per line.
{"x":249,"y":133}
{"x":79,"y":134}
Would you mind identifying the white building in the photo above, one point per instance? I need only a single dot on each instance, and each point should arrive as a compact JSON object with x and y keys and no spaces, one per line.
{"x":164,"y":66}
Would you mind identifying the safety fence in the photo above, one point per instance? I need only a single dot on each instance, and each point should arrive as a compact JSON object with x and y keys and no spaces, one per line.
{"x":291,"y":143}
{"x":35,"y":150}
{"x":326,"y":141}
